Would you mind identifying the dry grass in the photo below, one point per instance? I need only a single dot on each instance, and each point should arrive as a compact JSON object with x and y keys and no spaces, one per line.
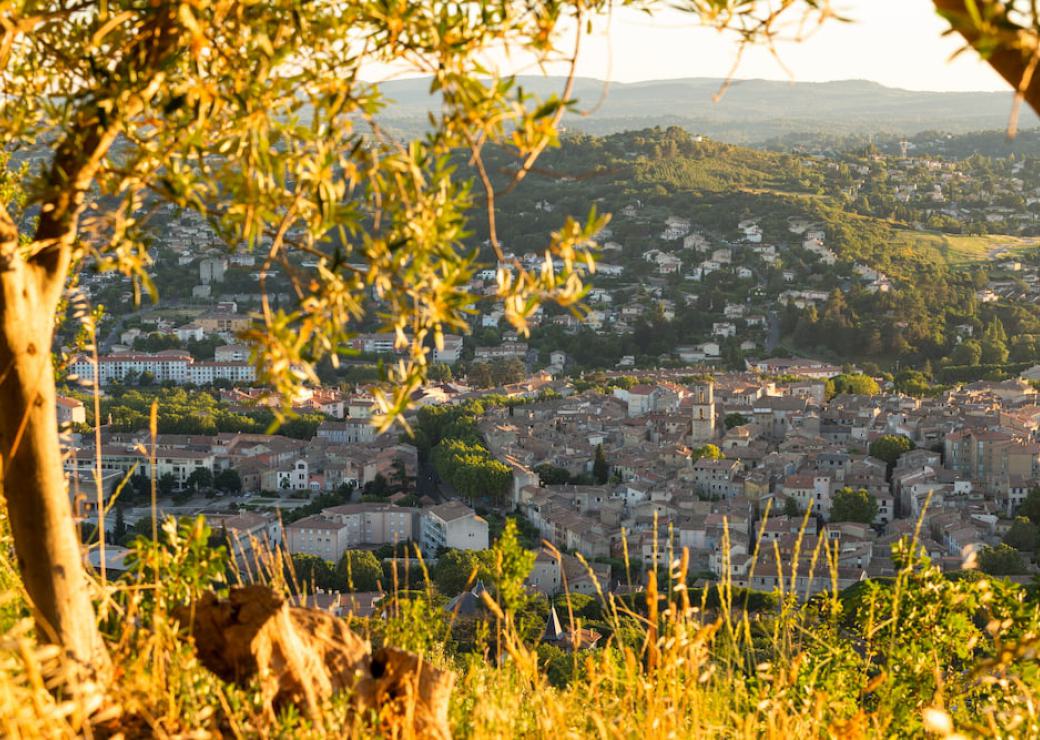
{"x":675,"y":668}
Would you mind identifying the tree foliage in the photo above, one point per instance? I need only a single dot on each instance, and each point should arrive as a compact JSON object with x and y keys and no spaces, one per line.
{"x":455,"y":569}
{"x":1023,"y":535}
{"x":472,"y":470}
{"x":360,"y":570}
{"x":851,"y":505}
{"x":889,"y":447}
{"x":600,"y":467}
{"x":735,"y":419}
{"x":707,"y":452}
{"x":1001,"y":560}
{"x":1030,"y":507}
{"x":311,"y":573}
{"x":228,"y":480}
{"x":854,"y":383}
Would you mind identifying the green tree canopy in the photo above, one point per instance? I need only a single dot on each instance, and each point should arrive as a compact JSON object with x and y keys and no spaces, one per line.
{"x":853,"y":505}
{"x":708,"y":452}
{"x":856,"y":383}
{"x":600,"y":467}
{"x":453,"y":570}
{"x":359,"y":570}
{"x":1030,"y":507}
{"x":1001,"y":560}
{"x":735,"y":420}
{"x":200,"y":479}
{"x":552,"y":475}
{"x":166,"y":484}
{"x":311,"y":573}
{"x":228,"y":480}
{"x":968,"y":352}
{"x":1023,"y":535}
{"x":889,"y":447}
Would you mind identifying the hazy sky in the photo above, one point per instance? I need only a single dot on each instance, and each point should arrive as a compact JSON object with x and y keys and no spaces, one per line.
{"x":898,"y":43}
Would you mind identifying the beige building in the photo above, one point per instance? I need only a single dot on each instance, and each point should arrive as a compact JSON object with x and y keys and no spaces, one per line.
{"x":551,"y":575}
{"x":318,"y":536}
{"x":351,"y":526}
{"x":70,"y":411}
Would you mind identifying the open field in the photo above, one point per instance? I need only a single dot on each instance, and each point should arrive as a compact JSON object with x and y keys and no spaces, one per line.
{"x":958,"y":251}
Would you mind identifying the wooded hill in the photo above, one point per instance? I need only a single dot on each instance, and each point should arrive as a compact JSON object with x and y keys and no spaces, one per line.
{"x":936,"y":267}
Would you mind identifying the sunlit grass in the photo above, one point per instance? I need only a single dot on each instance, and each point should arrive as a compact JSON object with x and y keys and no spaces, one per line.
{"x":958,"y":250}
{"x":671,"y":666}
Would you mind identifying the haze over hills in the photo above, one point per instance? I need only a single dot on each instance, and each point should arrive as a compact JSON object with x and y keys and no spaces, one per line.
{"x":751,"y":111}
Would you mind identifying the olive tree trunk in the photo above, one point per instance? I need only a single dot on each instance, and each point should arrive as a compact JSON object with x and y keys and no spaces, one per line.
{"x":32,"y":281}
{"x":46,"y":542}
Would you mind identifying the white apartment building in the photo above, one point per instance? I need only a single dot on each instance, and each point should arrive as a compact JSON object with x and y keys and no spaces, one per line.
{"x":176,"y":461}
{"x":174,"y":366}
{"x":453,"y":525}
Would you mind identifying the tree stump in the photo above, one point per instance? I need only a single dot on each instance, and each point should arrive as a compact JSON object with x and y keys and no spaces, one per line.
{"x":303,"y":656}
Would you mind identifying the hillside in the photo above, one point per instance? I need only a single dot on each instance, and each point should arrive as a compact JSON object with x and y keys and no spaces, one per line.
{"x":750,"y":110}
{"x":719,"y":252}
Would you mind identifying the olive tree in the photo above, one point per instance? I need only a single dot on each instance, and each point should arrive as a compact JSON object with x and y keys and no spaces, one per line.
{"x":254,"y":115}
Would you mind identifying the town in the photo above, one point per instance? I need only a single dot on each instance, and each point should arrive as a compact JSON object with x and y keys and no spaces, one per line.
{"x":790,"y":455}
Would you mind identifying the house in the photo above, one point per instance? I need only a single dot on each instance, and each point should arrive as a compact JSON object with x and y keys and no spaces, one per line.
{"x":717,"y":478}
{"x":724,"y":329}
{"x":703,"y":352}
{"x":292,"y":477}
{"x":722,"y":255}
{"x":231,"y":353}
{"x":675,"y":228}
{"x":668,"y":264}
{"x":212,"y":269}
{"x":349,"y":431}
{"x":70,"y":411}
{"x":695,"y":241}
{"x":551,"y":575}
{"x":318,"y":536}
{"x":176,"y":461}
{"x":223,"y":323}
{"x":249,"y":535}
{"x":504,"y":351}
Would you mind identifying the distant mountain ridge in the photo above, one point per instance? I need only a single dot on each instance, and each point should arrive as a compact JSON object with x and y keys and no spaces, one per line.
{"x":751,"y":110}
